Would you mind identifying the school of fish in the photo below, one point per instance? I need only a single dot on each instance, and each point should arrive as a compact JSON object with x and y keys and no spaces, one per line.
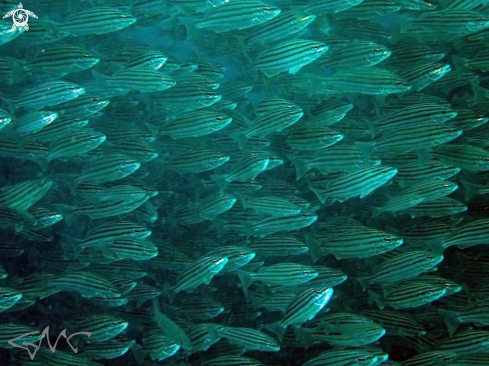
{"x":244,"y":183}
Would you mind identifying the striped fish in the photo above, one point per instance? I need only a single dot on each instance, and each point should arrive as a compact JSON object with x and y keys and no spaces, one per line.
{"x":232,"y":361}
{"x":284,"y":25}
{"x":431,"y":358}
{"x":109,"y":233}
{"x":410,"y":295}
{"x":61,"y":60}
{"x":272,"y":225}
{"x":467,"y":157}
{"x":278,"y":246}
{"x":412,"y":115}
{"x":289,"y":56}
{"x":370,"y":10}
{"x":195,"y":124}
{"x":107,"y":168}
{"x":48,"y":94}
{"x":86,"y":283}
{"x":135,"y":249}
{"x":159,"y":347}
{"x":25,"y":194}
{"x":74,"y":144}
{"x":8,"y":298}
{"x":423,"y":75}
{"x":199,"y":272}
{"x":285,"y":274}
{"x":144,"y":80}
{"x":304,"y":307}
{"x":237,"y":256}
{"x":203,"y":336}
{"x":249,"y":338}
{"x":103,"y":327}
{"x":356,"y":242}
{"x":228,"y":16}
{"x":83,"y":106}
{"x":313,"y":138}
{"x":108,"y":349}
{"x":413,"y":173}
{"x":360,"y":182}
{"x":344,"y":357}
{"x":441,"y":207}
{"x":473,"y":233}
{"x":11,"y":331}
{"x":466,"y":343}
{"x":197,"y":161}
{"x":355,"y":54}
{"x":403,"y":266}
{"x":396,"y":323}
{"x":373,"y":80}
{"x":348,"y":330}
{"x":96,"y":20}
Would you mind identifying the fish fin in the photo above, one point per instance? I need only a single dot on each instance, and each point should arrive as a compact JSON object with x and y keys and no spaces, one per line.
{"x":314,"y":249}
{"x":246,"y":279}
{"x":366,"y":148}
{"x":240,"y":138}
{"x":137,"y":351}
{"x":18,"y":67}
{"x":364,"y":282}
{"x":378,"y":299}
{"x":50,"y":27}
{"x":451,"y":320}
{"x":460,"y":64}
{"x":73,"y":244}
{"x":100,"y":78}
{"x":424,"y":156}
{"x":300,"y":166}
{"x":304,"y":336}
{"x":155,"y":132}
{"x":295,"y":69}
{"x":374,"y":129}
{"x":470,"y":190}
{"x":220,"y":181}
{"x":191,"y":25}
{"x":320,"y":194}
{"x":277,"y":329}
{"x":376,"y":211}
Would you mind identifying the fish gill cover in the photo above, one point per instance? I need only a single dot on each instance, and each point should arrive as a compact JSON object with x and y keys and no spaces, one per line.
{"x":286,"y":182}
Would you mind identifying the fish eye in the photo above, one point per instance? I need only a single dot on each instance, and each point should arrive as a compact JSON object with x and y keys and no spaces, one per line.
{"x":85,"y":57}
{"x":487,"y":159}
{"x":387,"y":240}
{"x":315,"y":46}
{"x":137,"y":231}
{"x":92,"y":137}
{"x":448,"y":131}
{"x":444,"y":112}
{"x":123,"y":17}
{"x":430,"y":257}
{"x":399,"y":83}
{"x":291,"y":113}
{"x":219,"y":118}
{"x":360,"y":359}
{"x":266,"y":9}
{"x":208,"y":94}
{"x":446,"y":186}
{"x":377,"y":50}
{"x":71,"y":87}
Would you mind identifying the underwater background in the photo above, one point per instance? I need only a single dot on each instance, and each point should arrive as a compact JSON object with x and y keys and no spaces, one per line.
{"x":224,"y":183}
